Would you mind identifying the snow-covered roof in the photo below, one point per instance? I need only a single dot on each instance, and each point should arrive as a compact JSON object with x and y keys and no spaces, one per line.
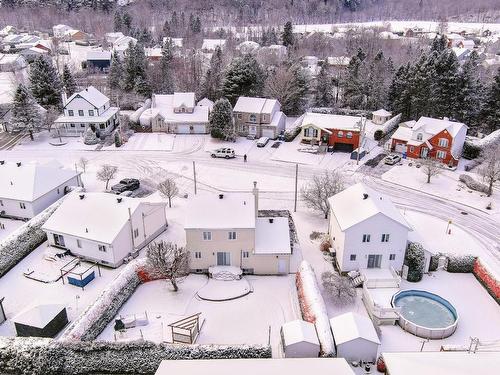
{"x":205,"y":102}
{"x":443,"y":363}
{"x":254,"y":105}
{"x":402,"y":133}
{"x":177,"y":42}
{"x":99,"y":55}
{"x":8,"y":85}
{"x":360,"y":202}
{"x":461,"y":52}
{"x":382,"y":113}
{"x":351,"y":326}
{"x":61,"y":27}
{"x":92,"y":95}
{"x":164,"y":105}
{"x":124,"y":41}
{"x":248,"y":46}
{"x":275,"y":121}
{"x":38,"y":316}
{"x":98,"y":216}
{"x":234,"y":210}
{"x":272,"y":237}
{"x":29,"y":182}
{"x":338,"y":60}
{"x":210,"y":44}
{"x":185,"y":99}
{"x":327,"y":121}
{"x":432,"y":126}
{"x":299,"y":331}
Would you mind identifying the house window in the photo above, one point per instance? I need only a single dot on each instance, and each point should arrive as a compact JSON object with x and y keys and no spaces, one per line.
{"x":385,"y":238}
{"x":72,"y":125}
{"x":392,"y":256}
{"x":82,"y":125}
{"x":79,"y":244}
{"x":197,"y":254}
{"x":419,"y":136}
{"x":246,"y":254}
{"x":311,"y":132}
{"x":207,"y":236}
{"x":353,"y":257}
{"x":22,"y":205}
{"x":136,"y":232}
{"x":366,"y":238}
{"x":70,"y":112}
{"x":91,"y":112}
{"x":1,"y":202}
{"x":348,"y":135}
{"x":80,"y":112}
{"x":102,"y":126}
{"x":239,"y":116}
{"x":443,"y":142}
{"x":253,"y":118}
{"x":340,"y":134}
{"x":232,"y":235}
{"x":441,"y":154}
{"x":412,"y":148}
{"x":102,"y":248}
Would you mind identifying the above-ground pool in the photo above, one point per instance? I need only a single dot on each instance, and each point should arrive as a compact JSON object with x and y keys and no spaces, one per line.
{"x":425,"y":314}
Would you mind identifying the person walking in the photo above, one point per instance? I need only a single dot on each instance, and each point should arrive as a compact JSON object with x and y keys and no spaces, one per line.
{"x":245,"y":158}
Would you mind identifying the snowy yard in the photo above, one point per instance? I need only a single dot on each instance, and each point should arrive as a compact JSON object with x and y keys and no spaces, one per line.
{"x":147,"y":142}
{"x":7,"y":226}
{"x":42,"y":142}
{"x":245,"y":320}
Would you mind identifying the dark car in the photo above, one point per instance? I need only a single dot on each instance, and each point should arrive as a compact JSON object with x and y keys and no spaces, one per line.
{"x":126,"y":184}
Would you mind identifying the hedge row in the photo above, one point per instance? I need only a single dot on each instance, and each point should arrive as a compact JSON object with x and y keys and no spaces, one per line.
{"x":39,"y":356}
{"x":488,"y":279}
{"x":473,"y":184}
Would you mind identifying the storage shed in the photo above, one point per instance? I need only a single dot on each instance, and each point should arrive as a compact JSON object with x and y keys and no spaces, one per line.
{"x":41,"y":321}
{"x":300,"y":339}
{"x":355,"y":337}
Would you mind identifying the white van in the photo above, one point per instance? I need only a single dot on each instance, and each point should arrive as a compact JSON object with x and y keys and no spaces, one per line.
{"x":262,"y":142}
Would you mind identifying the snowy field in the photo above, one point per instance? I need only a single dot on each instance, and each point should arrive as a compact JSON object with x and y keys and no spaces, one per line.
{"x":42,"y":142}
{"x":245,"y":320}
{"x":7,"y":226}
{"x":147,"y":142}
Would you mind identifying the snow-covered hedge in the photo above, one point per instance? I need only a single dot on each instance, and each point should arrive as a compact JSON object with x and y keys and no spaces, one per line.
{"x":97,"y":316}
{"x":473,"y":184}
{"x":38,"y":356}
{"x":460,"y":263}
{"x":24,"y":239}
{"x":391,"y":124}
{"x":415,"y":260}
{"x":313,"y":307}
{"x":294,"y":130}
{"x":488,"y":278}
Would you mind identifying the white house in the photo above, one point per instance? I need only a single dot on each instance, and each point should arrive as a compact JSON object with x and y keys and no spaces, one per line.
{"x":366,"y":230}
{"x":121,"y":44}
{"x":209,"y":45}
{"x":103,"y":227}
{"x":87,"y":108}
{"x":381,"y":116}
{"x":355,"y":337}
{"x":259,"y":117}
{"x":28,"y":189}
{"x":299,"y":339}
{"x":60,"y":30}
{"x":176,"y":113}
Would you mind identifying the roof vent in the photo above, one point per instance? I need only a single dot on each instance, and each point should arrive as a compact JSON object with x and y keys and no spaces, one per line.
{"x":271,"y":220}
{"x":18,"y":163}
{"x":221,"y":196}
{"x":82,"y":196}
{"x":365,"y":196}
{"x":119,"y":200}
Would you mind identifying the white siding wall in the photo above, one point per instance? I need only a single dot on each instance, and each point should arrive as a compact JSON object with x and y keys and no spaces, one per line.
{"x":12,"y":208}
{"x":81,"y":104}
{"x":337,"y":237}
{"x":359,"y":349}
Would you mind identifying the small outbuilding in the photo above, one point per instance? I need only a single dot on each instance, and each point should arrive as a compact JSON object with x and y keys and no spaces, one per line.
{"x":355,"y":337}
{"x":299,"y":339}
{"x":41,"y":321}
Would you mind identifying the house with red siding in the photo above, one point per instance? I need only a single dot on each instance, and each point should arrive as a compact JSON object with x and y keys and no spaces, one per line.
{"x":431,"y":138}
{"x":340,"y":132}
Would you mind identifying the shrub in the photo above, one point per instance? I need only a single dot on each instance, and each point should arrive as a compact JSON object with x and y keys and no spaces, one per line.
{"x":315,"y":235}
{"x":434,"y":262}
{"x":378,"y":135}
{"x":118,"y":139}
{"x":473,"y":184}
{"x":470,"y":151}
{"x":415,"y":260}
{"x":291,"y":134}
{"x":461,"y":263}
{"x":325,"y":245}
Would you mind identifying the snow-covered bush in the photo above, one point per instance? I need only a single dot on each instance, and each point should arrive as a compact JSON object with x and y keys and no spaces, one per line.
{"x":434,"y":263}
{"x":118,"y":139}
{"x":460,"y":263}
{"x":313,"y":307}
{"x":470,"y":151}
{"x":24,"y":239}
{"x":415,"y":260}
{"x":486,"y":276}
{"x":39,"y":356}
{"x":391,"y":124}
{"x":90,"y":138}
{"x":473,"y":184}
{"x":378,"y":134}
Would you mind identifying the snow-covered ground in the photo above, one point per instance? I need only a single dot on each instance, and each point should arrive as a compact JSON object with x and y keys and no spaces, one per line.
{"x":42,"y":142}
{"x":7,"y":226}
{"x":147,"y":142}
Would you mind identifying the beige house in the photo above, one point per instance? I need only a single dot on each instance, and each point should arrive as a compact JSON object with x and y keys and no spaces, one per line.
{"x":259,"y":117}
{"x":225,"y":230}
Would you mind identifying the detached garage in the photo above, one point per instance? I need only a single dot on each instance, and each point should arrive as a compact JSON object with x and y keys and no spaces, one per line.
{"x":41,"y":321}
{"x":355,"y":337}
{"x":299,"y":339}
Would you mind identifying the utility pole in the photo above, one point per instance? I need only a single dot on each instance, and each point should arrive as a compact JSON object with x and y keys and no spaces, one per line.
{"x":361,"y":137}
{"x":296,"y":183}
{"x":194,"y":176}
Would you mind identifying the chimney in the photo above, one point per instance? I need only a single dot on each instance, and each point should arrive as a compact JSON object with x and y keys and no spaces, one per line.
{"x":271,"y":220}
{"x":82,"y":196}
{"x":255,"y":192}
{"x":18,"y":163}
{"x":365,"y":196}
{"x":119,"y":200}
{"x":221,"y":196}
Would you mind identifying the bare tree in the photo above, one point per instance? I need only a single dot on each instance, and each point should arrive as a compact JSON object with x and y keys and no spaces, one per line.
{"x":169,"y":261}
{"x":82,"y":163}
{"x":339,"y":287}
{"x":490,"y":169}
{"x":168,"y":189}
{"x":316,"y":193}
{"x":431,"y":168}
{"x":107,"y":173}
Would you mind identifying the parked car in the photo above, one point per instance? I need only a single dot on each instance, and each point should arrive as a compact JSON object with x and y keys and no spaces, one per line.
{"x":126,"y":184}
{"x":251,"y":136}
{"x":227,"y":153}
{"x":392,"y":159}
{"x":63,"y":51}
{"x":262,"y":142}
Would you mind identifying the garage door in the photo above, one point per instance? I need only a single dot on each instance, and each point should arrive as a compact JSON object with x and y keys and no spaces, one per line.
{"x":400,"y":147}
{"x":199,"y":129}
{"x":269,"y":133}
{"x":183,"y":129}
{"x":344,"y":147}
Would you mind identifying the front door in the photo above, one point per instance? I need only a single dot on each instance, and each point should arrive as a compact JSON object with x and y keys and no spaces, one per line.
{"x":374,"y":261}
{"x":223,"y":258}
{"x":424,"y":152}
{"x":59,"y":240}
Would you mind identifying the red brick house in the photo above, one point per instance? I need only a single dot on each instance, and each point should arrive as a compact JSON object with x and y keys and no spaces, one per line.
{"x":341,"y":132}
{"x":428,"y":137}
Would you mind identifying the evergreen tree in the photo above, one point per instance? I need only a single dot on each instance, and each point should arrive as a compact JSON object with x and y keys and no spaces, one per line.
{"x":117,"y":21}
{"x":491,"y":109}
{"x":221,"y":120}
{"x":287,"y":35}
{"x":167,"y":80}
{"x":45,"y":84}
{"x":127,"y":22}
{"x":445,"y":85}
{"x":400,"y":92}
{"x":288,"y":84}
{"x":25,"y":113}
{"x":352,"y":5}
{"x":68,"y":81}
{"x":421,"y":78}
{"x":439,"y":43}
{"x":166,"y":29}
{"x":212,"y":83}
{"x":174,"y":22}
{"x":470,"y":93}
{"x":197,"y":25}
{"x":244,"y":77}
{"x":142,"y":87}
{"x":130,"y":68}
{"x":324,"y":89}
{"x":379,"y":78}
{"x":355,"y":89}
{"x":115,"y":77}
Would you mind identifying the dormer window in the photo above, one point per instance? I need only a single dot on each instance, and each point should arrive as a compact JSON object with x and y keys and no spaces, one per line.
{"x":80,"y":112}
{"x":70,"y":112}
{"x":253,"y":118}
{"x":420,"y":136}
{"x":91,"y":112}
